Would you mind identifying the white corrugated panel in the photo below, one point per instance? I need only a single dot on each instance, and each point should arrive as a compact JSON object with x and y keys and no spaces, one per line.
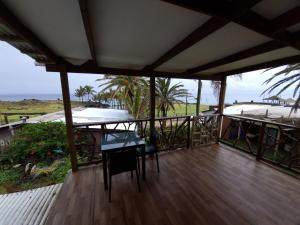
{"x":28,"y":207}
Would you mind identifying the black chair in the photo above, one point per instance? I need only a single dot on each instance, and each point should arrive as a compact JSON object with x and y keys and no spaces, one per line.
{"x":150,"y":149}
{"x":122,"y":161}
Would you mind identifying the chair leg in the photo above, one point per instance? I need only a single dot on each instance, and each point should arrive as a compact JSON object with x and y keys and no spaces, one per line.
{"x":109,"y":188}
{"x":138,"y":165}
{"x":138,"y":180}
{"x":157,"y":164}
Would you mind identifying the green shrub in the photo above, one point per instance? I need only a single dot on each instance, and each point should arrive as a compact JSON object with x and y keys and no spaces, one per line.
{"x":37,"y":141}
{"x":9,"y":176}
{"x":59,"y":174}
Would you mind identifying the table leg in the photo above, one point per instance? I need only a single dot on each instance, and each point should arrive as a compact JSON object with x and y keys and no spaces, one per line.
{"x":143,"y":163}
{"x":104,"y":163}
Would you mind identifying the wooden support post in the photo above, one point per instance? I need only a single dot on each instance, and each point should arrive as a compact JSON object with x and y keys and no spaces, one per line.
{"x":260,"y":141}
{"x":6,"y":119}
{"x":198,"y":97}
{"x":222,"y":95}
{"x":186,"y":105}
{"x":152,"y":109}
{"x":188,"y":132}
{"x":221,"y":104}
{"x":68,"y":116}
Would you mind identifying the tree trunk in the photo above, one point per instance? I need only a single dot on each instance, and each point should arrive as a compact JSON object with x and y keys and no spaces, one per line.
{"x":198,"y":97}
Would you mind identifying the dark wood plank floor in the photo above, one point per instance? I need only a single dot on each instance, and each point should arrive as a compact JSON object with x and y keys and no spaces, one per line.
{"x":211,"y":185}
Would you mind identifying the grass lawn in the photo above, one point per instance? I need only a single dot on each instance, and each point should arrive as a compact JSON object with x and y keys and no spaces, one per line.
{"x":30,"y":106}
{"x":180,"y":109}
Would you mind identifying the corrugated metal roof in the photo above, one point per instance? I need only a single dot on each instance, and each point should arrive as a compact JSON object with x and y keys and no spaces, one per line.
{"x":27,"y":207}
{"x":21,"y":45}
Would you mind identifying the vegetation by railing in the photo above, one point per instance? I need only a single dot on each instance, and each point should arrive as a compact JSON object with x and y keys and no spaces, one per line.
{"x":273,"y":142}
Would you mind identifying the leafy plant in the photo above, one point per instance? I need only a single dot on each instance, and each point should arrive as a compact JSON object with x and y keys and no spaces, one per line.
{"x":168,"y":94}
{"x":62,"y":169}
{"x":37,"y":141}
{"x":9,"y":175}
{"x":288,"y":77}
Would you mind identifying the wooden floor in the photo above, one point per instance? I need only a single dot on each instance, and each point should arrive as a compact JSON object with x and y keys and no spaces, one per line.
{"x":212,"y":185}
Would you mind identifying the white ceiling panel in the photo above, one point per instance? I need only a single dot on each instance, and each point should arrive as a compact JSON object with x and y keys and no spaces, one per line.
{"x":270,"y":9}
{"x":134,"y":33}
{"x":225,"y":41}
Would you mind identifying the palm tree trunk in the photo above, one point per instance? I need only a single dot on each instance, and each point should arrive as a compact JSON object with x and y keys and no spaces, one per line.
{"x":198,"y":97}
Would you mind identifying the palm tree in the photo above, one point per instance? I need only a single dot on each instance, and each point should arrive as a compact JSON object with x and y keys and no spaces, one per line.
{"x":168,"y":94}
{"x":125,"y":84}
{"x":89,"y":90}
{"x":291,"y":76}
{"x":98,"y":97}
{"x":80,"y":92}
{"x":216,"y":85}
{"x":128,"y":89}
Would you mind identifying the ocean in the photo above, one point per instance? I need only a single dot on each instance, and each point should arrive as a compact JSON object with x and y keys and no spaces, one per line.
{"x":20,"y":97}
{"x":206,"y":98}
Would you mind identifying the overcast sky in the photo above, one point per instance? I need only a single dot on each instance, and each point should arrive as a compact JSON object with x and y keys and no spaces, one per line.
{"x":19,"y":75}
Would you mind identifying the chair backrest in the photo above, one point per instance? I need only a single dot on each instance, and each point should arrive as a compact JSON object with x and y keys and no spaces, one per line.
{"x":122,"y":161}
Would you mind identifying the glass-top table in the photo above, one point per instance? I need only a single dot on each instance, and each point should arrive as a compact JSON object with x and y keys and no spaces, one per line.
{"x":117,"y":141}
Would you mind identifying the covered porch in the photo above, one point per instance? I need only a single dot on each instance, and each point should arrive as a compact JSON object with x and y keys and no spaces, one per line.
{"x":202,"y":40}
{"x":206,"y":185}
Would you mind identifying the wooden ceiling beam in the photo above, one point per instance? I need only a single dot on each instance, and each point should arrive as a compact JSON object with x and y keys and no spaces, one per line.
{"x":250,"y":19}
{"x":88,"y":28}
{"x":212,"y":25}
{"x":10,"y":38}
{"x":264,"y":65}
{"x":287,"y":19}
{"x":9,"y":20}
{"x":93,"y":69}
{"x":30,"y":52}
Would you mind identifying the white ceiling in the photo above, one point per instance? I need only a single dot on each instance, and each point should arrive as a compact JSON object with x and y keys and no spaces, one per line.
{"x":134,"y":33}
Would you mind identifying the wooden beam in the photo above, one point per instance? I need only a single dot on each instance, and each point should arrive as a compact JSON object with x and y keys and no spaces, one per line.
{"x":264,"y":65}
{"x":88,"y":28}
{"x":222,"y":96}
{"x":10,"y":38}
{"x":92,"y":69}
{"x":287,"y":19}
{"x":9,"y":20}
{"x":200,"y":33}
{"x":221,"y":105}
{"x":69,"y":119}
{"x":250,"y":19}
{"x":152,"y":109}
{"x":31,"y":52}
{"x":212,"y":25}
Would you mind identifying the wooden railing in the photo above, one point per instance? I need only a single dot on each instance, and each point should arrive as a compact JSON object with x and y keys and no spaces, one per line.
{"x":172,"y":133}
{"x":272,"y":142}
{"x":205,"y":129}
